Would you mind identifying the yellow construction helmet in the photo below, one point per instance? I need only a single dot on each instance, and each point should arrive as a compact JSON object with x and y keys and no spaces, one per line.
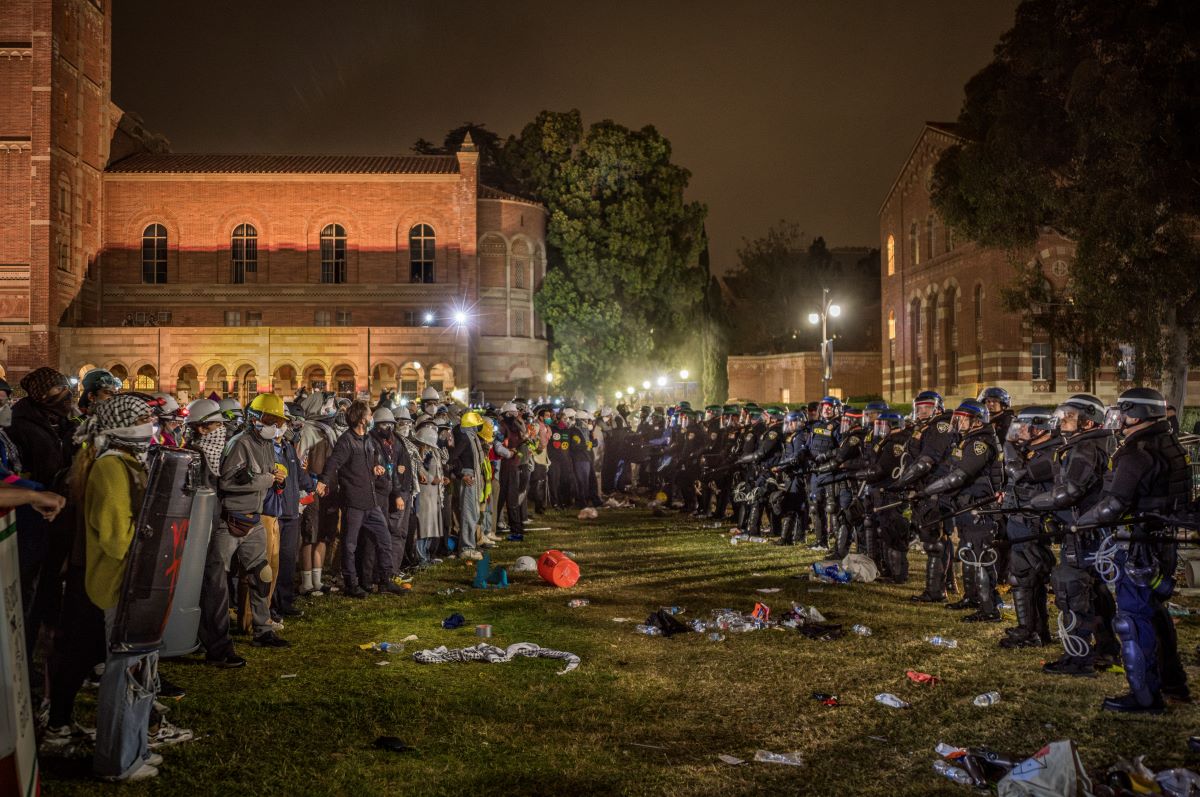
{"x":471,"y":419}
{"x":487,"y":432}
{"x":268,"y":404}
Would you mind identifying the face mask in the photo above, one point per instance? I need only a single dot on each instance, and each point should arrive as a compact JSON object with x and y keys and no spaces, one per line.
{"x":140,"y":435}
{"x":404,"y":429}
{"x":370,"y":425}
{"x":267,"y":432}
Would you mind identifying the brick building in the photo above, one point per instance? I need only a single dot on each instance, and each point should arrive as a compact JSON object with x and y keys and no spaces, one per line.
{"x":238,"y":273}
{"x":795,"y":378}
{"x":943,"y":322}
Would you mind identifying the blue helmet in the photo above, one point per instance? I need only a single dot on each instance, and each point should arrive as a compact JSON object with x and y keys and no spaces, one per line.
{"x":997,"y":393}
{"x":876,"y":406}
{"x":930,"y":397}
{"x":973,"y":409}
{"x":795,"y":415}
{"x":894,"y":420}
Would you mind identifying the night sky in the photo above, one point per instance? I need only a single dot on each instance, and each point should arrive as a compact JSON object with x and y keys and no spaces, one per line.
{"x":796,"y":110}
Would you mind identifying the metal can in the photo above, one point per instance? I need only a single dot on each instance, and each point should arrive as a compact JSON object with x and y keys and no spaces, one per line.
{"x":484,"y":631}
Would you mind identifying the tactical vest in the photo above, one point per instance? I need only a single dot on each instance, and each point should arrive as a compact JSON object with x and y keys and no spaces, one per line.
{"x":822,"y":440}
{"x":990,"y":480}
{"x":1171,"y":483}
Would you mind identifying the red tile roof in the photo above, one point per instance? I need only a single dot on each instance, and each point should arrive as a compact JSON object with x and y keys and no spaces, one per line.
{"x":487,"y":192}
{"x":184,"y":163}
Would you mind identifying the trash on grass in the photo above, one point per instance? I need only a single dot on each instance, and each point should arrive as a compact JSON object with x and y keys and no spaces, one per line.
{"x":382,"y":663}
{"x":888,"y":699}
{"x":525,"y":564}
{"x":987,"y":699}
{"x":453,"y":621}
{"x":716,"y":636}
{"x":956,"y":774}
{"x":791,"y":759}
{"x":483,"y":630}
{"x":576,"y":603}
{"x":949,"y":750}
{"x":941,"y":641}
{"x":1178,"y":782}
{"x":826,"y":699}
{"x":558,"y":569}
{"x":767,"y":590}
{"x":923,"y":678}
{"x":830,"y":573}
{"x":393,"y":744}
{"x":383,"y":647}
{"x":490,"y":654}
{"x":860,"y":629}
{"x":860,"y":567}
{"x":622,"y":619}
{"x":588,"y":513}
{"x":291,"y":675}
{"x":730,"y":760}
{"x":1055,"y":769}
{"x":666,"y":623}
{"x":450,"y":590}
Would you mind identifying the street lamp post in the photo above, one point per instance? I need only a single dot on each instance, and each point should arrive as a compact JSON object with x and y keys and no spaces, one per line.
{"x":828,"y":309}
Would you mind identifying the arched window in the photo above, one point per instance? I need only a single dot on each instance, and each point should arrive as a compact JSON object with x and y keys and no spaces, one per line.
{"x":978,"y":312}
{"x":421,"y":248}
{"x":891,"y":255}
{"x":931,"y":342}
{"x":243,"y":249}
{"x":929,"y":235}
{"x":891,"y":324}
{"x":333,"y":253}
{"x":914,"y":342}
{"x":914,"y":244}
{"x":154,"y":254}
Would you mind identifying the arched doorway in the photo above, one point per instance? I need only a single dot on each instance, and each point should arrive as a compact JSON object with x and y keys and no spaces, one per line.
{"x":284,"y":380}
{"x":343,"y":382}
{"x":187,"y":383}
{"x":441,"y":376}
{"x":314,"y":377}
{"x":216,"y":381}
{"x":383,"y":377}
{"x":245,"y":384}
{"x":410,"y":380}
{"x":146,"y":380}
{"x":121,"y":372}
{"x":83,"y":369}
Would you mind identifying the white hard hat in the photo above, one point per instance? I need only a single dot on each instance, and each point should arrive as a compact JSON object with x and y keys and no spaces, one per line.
{"x":507,"y":407}
{"x":230,"y":403}
{"x":430,"y":394}
{"x":426,"y":435}
{"x":169,"y":406}
{"x":401,"y":413}
{"x":606,"y":412}
{"x":569,"y":413}
{"x":204,"y":410}
{"x":383,"y":415}
{"x":525,"y":564}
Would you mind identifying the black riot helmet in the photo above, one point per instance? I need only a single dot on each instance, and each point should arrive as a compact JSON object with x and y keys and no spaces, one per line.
{"x":995,"y":394}
{"x":1076,"y":410}
{"x":1031,"y":423}
{"x":1141,"y":404}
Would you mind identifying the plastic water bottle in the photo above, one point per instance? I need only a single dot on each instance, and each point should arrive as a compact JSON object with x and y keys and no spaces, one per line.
{"x":735,"y":539}
{"x":987,"y":699}
{"x":389,"y":647}
{"x":575,"y":603}
{"x":673,"y":609}
{"x":648,"y":630}
{"x":756,"y":539}
{"x":948,"y":750}
{"x":942,"y":641}
{"x":861,"y":629}
{"x":716,"y":636}
{"x":956,"y":774}
{"x":699,"y":626}
{"x":888,"y":699}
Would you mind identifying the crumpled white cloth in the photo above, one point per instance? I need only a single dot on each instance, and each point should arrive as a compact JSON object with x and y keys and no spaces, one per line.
{"x":490,"y":654}
{"x":860,"y":567}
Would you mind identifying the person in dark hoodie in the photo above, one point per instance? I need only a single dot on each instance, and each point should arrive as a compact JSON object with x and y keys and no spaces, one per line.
{"x":42,"y":431}
{"x":393,"y":490}
{"x":357,"y":462}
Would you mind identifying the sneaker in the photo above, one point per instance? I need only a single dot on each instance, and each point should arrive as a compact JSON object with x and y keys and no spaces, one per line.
{"x":315,"y":592}
{"x":143,"y":772}
{"x":392,"y":589}
{"x":275,"y":625}
{"x":356,"y":592}
{"x":486,"y":544}
{"x":168,"y":690}
{"x":154,"y":760}
{"x":230,"y":662}
{"x":270,"y":639}
{"x":168,"y":734}
{"x":55,"y":740}
{"x":291,"y":611}
{"x":471,"y":554}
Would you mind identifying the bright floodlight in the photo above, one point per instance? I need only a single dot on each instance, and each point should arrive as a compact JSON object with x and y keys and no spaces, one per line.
{"x":835,"y":310}
{"x":813,"y":318}
{"x":460,"y":317}
{"x":646,"y":385}
{"x":620,"y":393}
{"x":629,"y":390}
{"x":683,"y":374}
{"x":429,"y":318}
{"x":662,"y":381}
{"x":416,"y":366}
{"x":458,"y":394}
{"x":549,"y":377}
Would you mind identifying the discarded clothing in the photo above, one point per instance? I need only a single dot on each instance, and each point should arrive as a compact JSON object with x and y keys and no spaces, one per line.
{"x":1054,"y":770}
{"x":860,"y":567}
{"x":490,"y":654}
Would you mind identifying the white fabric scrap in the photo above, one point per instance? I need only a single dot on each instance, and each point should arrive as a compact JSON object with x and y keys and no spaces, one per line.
{"x":490,"y":654}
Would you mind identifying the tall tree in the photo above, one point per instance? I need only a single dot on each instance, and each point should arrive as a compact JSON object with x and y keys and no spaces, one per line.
{"x":623,"y":280}
{"x":1087,"y":121}
{"x":486,"y":141}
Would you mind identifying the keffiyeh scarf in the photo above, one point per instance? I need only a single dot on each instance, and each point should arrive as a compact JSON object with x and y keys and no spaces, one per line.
{"x":490,"y":654}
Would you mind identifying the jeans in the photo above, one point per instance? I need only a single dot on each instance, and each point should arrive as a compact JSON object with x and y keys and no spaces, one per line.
{"x":372,"y":522}
{"x":123,"y":712}
{"x":285,"y":575}
{"x":468,"y":515}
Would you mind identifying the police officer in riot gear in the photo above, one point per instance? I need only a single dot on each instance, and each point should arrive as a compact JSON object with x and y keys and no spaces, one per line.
{"x":928,"y":447}
{"x":1086,"y":607}
{"x":973,"y":475}
{"x":765,"y":457}
{"x":1149,"y":474}
{"x":824,"y":436}
{"x":845,"y":460}
{"x":889,"y":438}
{"x":1029,"y":471}
{"x":792,"y":460}
{"x":997,"y":401}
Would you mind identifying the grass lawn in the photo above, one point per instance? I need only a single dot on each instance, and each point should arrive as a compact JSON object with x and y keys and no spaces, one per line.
{"x":641,"y":715}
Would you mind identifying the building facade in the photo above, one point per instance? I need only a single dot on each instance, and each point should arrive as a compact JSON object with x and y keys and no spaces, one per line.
{"x":944,"y":324}
{"x":195,"y":273}
{"x":795,"y":378}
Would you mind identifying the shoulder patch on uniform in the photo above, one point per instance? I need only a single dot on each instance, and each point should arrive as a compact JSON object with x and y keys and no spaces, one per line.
{"x":897,"y":450}
{"x":980,"y":448}
{"x":943,"y":426}
{"x":772,"y":435}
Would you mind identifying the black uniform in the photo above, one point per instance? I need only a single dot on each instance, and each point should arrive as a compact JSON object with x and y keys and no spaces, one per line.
{"x":765,"y":457}
{"x":881,"y":475}
{"x":1029,"y":471}
{"x":823,"y":440}
{"x":847,"y":459}
{"x":928,"y":446}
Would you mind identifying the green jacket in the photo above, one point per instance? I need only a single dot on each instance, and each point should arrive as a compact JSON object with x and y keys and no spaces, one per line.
{"x":109,"y":516}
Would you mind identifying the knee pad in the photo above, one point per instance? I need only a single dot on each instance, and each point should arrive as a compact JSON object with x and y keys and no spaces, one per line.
{"x":1122,"y":626}
{"x":1072,"y":589}
{"x":260,"y":577}
{"x":934,"y":548}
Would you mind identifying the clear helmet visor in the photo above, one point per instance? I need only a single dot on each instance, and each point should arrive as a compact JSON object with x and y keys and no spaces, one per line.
{"x":961,"y":422}
{"x":924,"y":410}
{"x":1114,"y":419}
{"x":882,"y":428}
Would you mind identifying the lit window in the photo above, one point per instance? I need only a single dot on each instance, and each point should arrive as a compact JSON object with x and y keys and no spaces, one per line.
{"x":333,"y":253}
{"x":891,"y":255}
{"x":154,"y":254}
{"x":244,"y":251}
{"x":1040,"y":353}
{"x":421,"y":248}
{"x":1074,"y":368}
{"x":1127,"y":364}
{"x":914,"y":244}
{"x":891,"y":324}
{"x":233,"y":318}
